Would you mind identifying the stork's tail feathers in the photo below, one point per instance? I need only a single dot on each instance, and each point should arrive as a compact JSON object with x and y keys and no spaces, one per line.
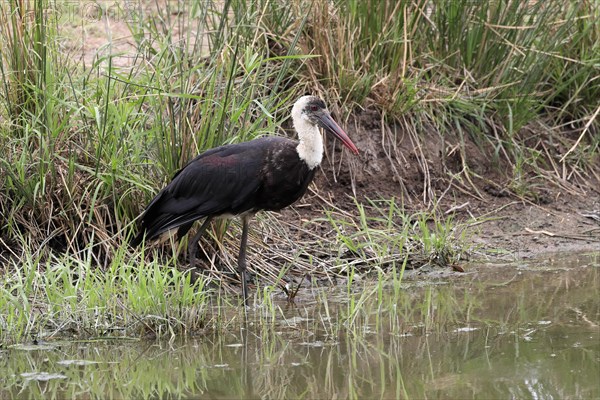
{"x":138,"y":239}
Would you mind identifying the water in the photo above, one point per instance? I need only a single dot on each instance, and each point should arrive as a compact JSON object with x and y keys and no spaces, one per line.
{"x":525,"y":331}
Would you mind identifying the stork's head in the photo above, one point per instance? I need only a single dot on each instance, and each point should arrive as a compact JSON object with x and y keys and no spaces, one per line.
{"x":311,"y":111}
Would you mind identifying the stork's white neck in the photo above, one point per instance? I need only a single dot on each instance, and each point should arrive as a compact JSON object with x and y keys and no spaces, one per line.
{"x":310,"y":148}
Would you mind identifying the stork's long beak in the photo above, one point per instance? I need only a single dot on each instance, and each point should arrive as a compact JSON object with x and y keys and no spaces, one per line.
{"x":327,"y":123}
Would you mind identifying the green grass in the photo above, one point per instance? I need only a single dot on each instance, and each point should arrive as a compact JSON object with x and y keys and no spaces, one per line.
{"x":67,"y":295}
{"x":84,"y":147}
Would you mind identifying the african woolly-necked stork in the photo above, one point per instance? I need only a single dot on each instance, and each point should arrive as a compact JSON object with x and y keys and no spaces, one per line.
{"x":267,"y":173}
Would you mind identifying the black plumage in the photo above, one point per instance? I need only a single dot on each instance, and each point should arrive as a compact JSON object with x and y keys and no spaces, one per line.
{"x":262,"y":174}
{"x":268,"y":173}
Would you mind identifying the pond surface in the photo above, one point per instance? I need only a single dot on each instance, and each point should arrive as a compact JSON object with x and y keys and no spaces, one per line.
{"x":519,"y":331}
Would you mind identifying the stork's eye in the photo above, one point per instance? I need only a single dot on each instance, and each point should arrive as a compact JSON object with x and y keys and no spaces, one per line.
{"x":313,"y":108}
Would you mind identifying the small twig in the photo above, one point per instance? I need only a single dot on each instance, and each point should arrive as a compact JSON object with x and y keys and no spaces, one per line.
{"x":585,"y":129}
{"x":540,"y":232}
{"x":455,"y":208}
{"x":574,"y":237}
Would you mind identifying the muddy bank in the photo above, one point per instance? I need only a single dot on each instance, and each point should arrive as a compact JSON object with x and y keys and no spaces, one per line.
{"x":518,"y":213}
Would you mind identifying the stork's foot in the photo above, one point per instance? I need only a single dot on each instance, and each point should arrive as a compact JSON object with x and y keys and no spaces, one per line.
{"x":285,"y":286}
{"x":290,"y":292}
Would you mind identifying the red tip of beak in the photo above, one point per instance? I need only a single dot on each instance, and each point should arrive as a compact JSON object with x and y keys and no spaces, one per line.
{"x":330,"y":125}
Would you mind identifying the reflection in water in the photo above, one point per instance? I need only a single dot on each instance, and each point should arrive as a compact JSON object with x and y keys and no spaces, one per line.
{"x":534,"y":334}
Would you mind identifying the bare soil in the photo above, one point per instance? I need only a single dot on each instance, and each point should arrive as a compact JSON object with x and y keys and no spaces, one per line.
{"x":551,"y":215}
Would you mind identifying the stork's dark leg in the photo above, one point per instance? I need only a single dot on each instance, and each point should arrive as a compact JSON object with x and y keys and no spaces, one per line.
{"x":193,"y":244}
{"x":242,"y":259}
